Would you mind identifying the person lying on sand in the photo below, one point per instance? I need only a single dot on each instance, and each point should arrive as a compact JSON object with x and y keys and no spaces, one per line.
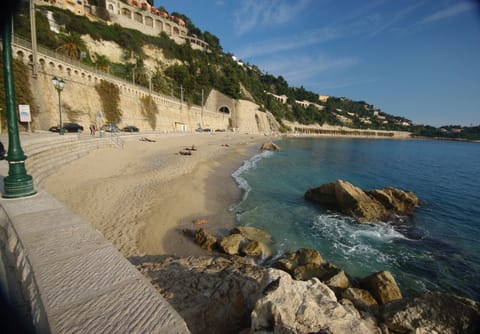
{"x":147,"y":139}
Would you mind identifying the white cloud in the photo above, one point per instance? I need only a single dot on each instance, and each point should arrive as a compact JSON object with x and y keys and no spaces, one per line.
{"x":287,"y":43}
{"x":305,"y":68}
{"x":400,"y":15}
{"x":254,"y":13}
{"x":451,"y":11}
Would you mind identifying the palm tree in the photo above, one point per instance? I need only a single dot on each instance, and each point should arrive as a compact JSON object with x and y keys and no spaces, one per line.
{"x":101,"y":62}
{"x":71,"y":46}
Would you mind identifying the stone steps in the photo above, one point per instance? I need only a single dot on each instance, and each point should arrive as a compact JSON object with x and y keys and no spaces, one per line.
{"x":44,"y":158}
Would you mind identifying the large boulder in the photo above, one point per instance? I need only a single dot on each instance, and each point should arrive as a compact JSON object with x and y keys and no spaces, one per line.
{"x":290,"y":306}
{"x":230,"y":244}
{"x":365,"y":206}
{"x":399,"y":201}
{"x":270,"y":146}
{"x":382,"y":286}
{"x":339,"y":281}
{"x":300,"y":257}
{"x":212,"y":294}
{"x":253,"y":233}
{"x":205,"y":239}
{"x":323,"y":271}
{"x":256,"y":248}
{"x":433,"y":312}
{"x":360,"y":297}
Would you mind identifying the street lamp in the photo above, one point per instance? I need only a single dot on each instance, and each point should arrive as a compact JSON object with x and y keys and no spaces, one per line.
{"x":18,"y":183}
{"x":58,"y":83}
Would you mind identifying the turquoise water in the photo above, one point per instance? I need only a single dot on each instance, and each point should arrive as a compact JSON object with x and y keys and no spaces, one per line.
{"x":439,"y":250}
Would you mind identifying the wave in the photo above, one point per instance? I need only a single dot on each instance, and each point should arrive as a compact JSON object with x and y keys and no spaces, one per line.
{"x":368,"y":243}
{"x":246,"y":166}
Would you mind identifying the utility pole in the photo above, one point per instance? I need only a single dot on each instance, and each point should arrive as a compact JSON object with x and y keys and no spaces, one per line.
{"x":33,"y":30}
{"x":181,"y":97}
{"x":133,"y":73}
{"x":150,"y":82}
{"x":201,"y":115}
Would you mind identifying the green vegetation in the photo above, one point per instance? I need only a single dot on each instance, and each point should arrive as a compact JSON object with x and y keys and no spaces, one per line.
{"x":110,"y":97}
{"x":196,"y":73}
{"x":22,"y":90}
{"x":454,"y":132}
{"x":149,"y":110}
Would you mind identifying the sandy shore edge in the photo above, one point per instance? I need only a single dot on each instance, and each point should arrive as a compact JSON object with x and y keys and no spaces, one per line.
{"x":141,"y":197}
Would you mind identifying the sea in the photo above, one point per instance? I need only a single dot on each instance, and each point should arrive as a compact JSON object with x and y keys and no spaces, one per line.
{"x":438,"y":249}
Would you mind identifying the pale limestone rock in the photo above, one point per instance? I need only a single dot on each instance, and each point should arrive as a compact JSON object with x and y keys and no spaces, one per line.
{"x":360,"y":297}
{"x":212,"y":294}
{"x":253,"y":233}
{"x":302,"y":307}
{"x":270,"y":147}
{"x":307,"y":255}
{"x":231,"y":244}
{"x":402,"y":202}
{"x":433,"y":312}
{"x":256,"y":249}
{"x":382,"y":286}
{"x":365,"y":206}
{"x":339,"y":280}
{"x":303,"y":256}
{"x":109,"y":49}
{"x":323,"y":271}
{"x":205,"y":239}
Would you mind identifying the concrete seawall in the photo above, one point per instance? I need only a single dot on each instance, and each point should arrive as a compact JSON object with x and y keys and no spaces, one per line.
{"x":71,"y":278}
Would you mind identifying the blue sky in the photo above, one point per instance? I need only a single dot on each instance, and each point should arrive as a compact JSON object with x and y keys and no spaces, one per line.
{"x":414,"y":58}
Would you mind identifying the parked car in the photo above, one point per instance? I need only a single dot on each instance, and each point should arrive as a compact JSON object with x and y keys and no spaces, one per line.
{"x":67,"y":127}
{"x":109,"y":128}
{"x":130,"y":128}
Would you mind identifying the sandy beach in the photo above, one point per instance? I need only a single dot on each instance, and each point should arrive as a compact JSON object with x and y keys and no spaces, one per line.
{"x":142,"y":196}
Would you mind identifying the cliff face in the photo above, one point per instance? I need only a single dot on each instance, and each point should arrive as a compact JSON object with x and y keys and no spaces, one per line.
{"x":82,"y":104}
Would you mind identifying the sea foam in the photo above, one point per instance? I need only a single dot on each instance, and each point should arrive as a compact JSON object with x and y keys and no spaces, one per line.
{"x":246,"y":166}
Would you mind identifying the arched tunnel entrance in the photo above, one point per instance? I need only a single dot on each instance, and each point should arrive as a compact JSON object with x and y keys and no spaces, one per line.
{"x":224,"y":110}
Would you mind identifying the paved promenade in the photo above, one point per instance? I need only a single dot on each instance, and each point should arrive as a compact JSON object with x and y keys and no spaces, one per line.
{"x":74,"y":280}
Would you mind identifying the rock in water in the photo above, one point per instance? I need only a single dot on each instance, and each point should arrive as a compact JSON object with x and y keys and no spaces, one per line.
{"x":270,"y":147}
{"x":382,"y":286}
{"x":365,"y":206}
{"x":230,"y":244}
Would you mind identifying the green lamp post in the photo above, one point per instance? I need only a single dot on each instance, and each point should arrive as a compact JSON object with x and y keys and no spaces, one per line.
{"x":18,"y":183}
{"x":59,"y":84}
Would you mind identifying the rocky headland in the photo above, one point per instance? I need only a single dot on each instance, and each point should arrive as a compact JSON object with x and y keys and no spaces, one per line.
{"x":241,"y":288}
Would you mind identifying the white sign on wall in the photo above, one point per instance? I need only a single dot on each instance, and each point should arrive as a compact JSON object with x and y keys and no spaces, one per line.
{"x":24,"y":110}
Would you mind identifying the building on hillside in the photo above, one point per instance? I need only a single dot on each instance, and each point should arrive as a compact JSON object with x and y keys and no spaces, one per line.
{"x":75,"y":6}
{"x":138,"y":15}
{"x":323,"y":98}
{"x":141,"y":16}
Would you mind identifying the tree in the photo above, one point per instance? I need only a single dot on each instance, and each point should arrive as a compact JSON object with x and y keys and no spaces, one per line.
{"x":101,"y":62}
{"x":71,"y":45}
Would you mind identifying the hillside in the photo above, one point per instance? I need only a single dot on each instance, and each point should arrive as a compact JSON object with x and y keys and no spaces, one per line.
{"x":175,"y":70}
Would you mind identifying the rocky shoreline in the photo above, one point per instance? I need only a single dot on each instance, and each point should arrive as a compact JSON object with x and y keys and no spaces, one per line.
{"x":239,"y":288}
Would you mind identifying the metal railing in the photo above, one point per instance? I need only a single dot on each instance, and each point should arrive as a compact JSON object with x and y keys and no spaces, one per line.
{"x":49,"y":53}
{"x":116,"y":140}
